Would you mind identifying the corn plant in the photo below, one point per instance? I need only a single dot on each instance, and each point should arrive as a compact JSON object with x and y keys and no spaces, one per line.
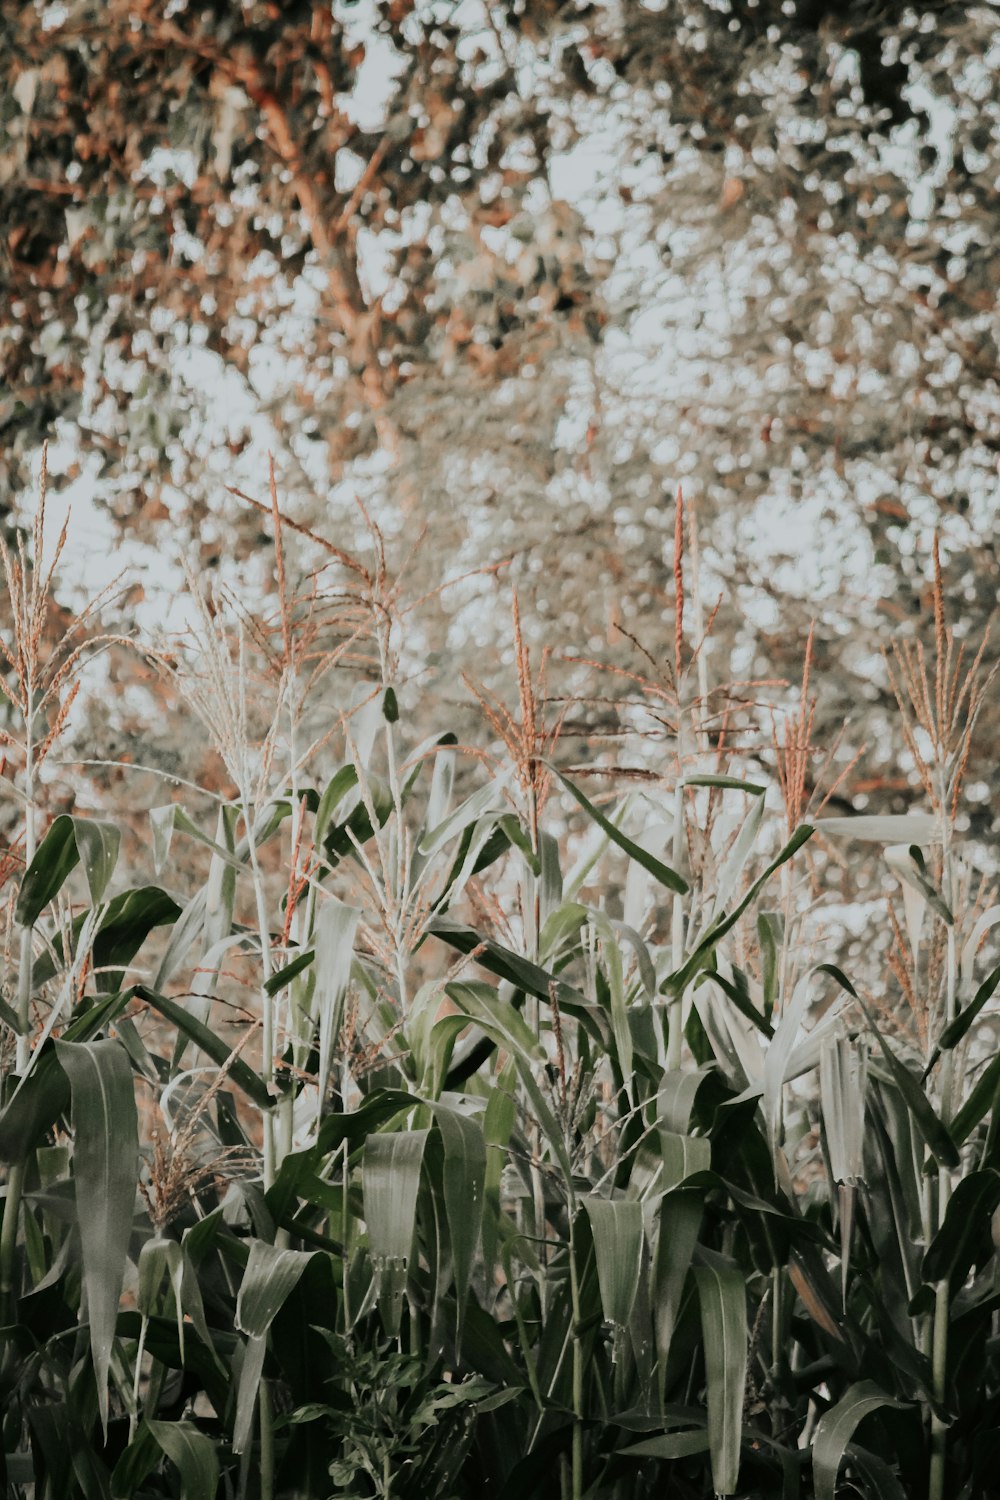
{"x":475,"y":1125}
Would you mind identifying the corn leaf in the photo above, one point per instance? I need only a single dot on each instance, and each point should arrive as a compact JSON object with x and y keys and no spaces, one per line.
{"x":616,"y":1225}
{"x":391,"y":1179}
{"x":105,"y":1155}
{"x":659,"y":871}
{"x":927,"y":1122}
{"x":836,"y":1428}
{"x":464,"y":1187}
{"x":722,"y":1297}
{"x":192,"y":1454}
{"x":210,"y":1043}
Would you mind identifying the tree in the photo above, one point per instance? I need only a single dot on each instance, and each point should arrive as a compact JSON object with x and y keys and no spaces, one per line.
{"x":382,"y":225}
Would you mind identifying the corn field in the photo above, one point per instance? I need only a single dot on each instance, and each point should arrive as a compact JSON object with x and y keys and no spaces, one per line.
{"x":487,"y":1120}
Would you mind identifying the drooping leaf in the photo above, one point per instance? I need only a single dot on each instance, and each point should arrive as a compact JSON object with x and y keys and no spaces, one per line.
{"x":192,"y":1453}
{"x":105,"y":1153}
{"x":836,"y":1428}
{"x":616,"y":1225}
{"x":722,"y":1297}
{"x":464,"y":1190}
{"x":965,"y":1230}
{"x":659,"y":871}
{"x":390,"y":1181}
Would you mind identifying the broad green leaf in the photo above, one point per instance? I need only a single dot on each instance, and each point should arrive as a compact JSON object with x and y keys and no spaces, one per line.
{"x":97,"y":844}
{"x":723,"y":1300}
{"x":616,"y":1225}
{"x":390,"y":1180}
{"x":683,"y":1156}
{"x":55,"y":859}
{"x":965,"y":1231}
{"x":193,"y":1455}
{"x":105,"y":1154}
{"x":127,"y":921}
{"x":159,"y":1257}
{"x":655,"y":867}
{"x":269,"y":1277}
{"x":251,"y":1367}
{"x":35,"y":1106}
{"x":504,"y":1026}
{"x":668,"y":1445}
{"x":345,"y":780}
{"x":678,"y":1220}
{"x":486,"y":799}
{"x":836,"y":1428}
{"x":464,"y":1188}
{"x":734,"y":862}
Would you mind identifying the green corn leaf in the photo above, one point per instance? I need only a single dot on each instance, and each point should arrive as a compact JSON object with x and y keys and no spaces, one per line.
{"x":506,"y":1028}
{"x":210,"y":1043}
{"x":105,"y":1155}
{"x":616,"y":1225}
{"x":159,"y":1257}
{"x":683,"y":1156}
{"x":345,"y":780}
{"x":668,"y":1445}
{"x":35,"y":1106}
{"x":192,"y":1454}
{"x":283,"y":977}
{"x":985,"y":1093}
{"x":953,"y":1034}
{"x":97,"y":844}
{"x":739,"y":993}
{"x":717,"y":930}
{"x":836,"y":1428}
{"x":931,"y":1128}
{"x":128,"y":920}
{"x":727,"y":783}
{"x":464,"y":1187}
{"x":55,"y":859}
{"x":390,"y":1180}
{"x":678,"y":1220}
{"x":498,"y":1126}
{"x":251,"y":1368}
{"x":964,"y":1236}
{"x":882,"y":828}
{"x":723,"y":1301}
{"x":487,"y":799}
{"x":336,"y":927}
{"x":675,"y":1098}
{"x":269,"y":1277}
{"x":67,"y":842}
{"x":659,"y":871}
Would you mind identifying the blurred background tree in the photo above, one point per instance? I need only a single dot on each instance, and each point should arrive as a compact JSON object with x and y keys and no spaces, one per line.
{"x":510,"y":272}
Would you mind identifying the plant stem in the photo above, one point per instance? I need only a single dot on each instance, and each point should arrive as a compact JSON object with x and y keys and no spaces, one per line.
{"x":266,"y":1443}
{"x":576,"y":1487}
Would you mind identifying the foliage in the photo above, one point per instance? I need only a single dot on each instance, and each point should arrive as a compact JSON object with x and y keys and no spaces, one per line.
{"x":380,"y":231}
{"x":506,"y":1144}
